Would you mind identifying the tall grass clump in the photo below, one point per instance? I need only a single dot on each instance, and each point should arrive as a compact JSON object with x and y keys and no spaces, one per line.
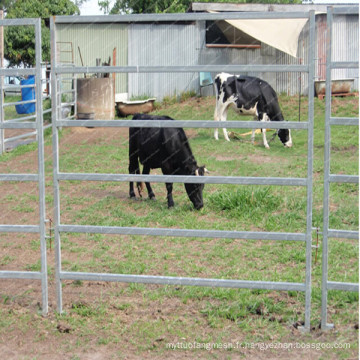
{"x":247,"y":202}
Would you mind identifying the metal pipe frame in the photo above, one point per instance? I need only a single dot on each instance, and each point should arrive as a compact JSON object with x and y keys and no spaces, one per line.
{"x":333,"y":178}
{"x":306,"y":237}
{"x":40,"y":176}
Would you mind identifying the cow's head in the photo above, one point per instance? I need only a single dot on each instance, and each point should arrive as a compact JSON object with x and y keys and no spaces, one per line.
{"x":195,"y":191}
{"x":285,"y":137}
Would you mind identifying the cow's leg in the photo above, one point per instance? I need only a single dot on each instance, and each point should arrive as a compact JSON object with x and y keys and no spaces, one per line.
{"x":264,"y":118}
{"x":131,"y":190}
{"x":253,"y":136}
{"x":170,"y":201}
{"x":133,"y":169}
{"x":216,"y":118}
{"x":146,"y":171}
{"x":253,"y":132}
{"x":133,"y":158}
{"x":224,"y":117}
{"x":220,"y":115}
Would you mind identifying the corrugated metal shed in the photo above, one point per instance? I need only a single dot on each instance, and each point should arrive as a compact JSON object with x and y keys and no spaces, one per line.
{"x":97,"y":41}
{"x":163,"y":44}
{"x":184,"y":43}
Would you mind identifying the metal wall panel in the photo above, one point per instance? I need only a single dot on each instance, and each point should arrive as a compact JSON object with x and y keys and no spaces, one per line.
{"x":97,"y":41}
{"x":167,"y":45}
{"x":346,"y":46}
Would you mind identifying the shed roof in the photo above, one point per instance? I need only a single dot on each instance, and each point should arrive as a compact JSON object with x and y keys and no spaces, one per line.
{"x":227,"y":7}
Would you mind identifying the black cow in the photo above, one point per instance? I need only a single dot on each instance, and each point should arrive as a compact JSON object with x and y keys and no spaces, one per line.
{"x":249,"y":96}
{"x":165,"y":148}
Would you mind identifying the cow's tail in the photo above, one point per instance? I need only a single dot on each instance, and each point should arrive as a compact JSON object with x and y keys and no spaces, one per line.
{"x":140,"y":186}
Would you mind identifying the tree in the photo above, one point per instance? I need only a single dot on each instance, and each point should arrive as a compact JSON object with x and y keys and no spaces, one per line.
{"x":6,"y":4}
{"x":19,"y":41}
{"x":145,"y":6}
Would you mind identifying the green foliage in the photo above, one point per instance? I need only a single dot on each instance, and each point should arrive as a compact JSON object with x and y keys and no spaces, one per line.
{"x":6,"y":4}
{"x":165,"y":6}
{"x":19,"y":41}
{"x":146,"y":6}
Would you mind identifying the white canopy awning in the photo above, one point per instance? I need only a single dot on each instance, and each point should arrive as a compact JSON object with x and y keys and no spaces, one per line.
{"x":282,"y":34}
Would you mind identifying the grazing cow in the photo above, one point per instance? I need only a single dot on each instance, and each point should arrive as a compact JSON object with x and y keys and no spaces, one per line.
{"x":165,"y":148}
{"x":249,"y":96}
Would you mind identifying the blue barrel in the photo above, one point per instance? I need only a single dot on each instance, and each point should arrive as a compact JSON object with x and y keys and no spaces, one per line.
{"x":27,"y":94}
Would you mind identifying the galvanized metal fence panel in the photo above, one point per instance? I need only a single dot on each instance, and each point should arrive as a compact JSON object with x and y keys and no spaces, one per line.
{"x":334,"y":178}
{"x":40,"y":176}
{"x":305,"y":237}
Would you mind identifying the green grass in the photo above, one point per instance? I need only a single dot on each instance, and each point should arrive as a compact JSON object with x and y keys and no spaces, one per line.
{"x":142,"y":314}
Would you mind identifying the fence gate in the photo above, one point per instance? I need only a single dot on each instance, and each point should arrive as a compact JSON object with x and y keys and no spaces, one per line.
{"x":304,"y":237}
{"x":34,"y":122}
{"x":334,"y":178}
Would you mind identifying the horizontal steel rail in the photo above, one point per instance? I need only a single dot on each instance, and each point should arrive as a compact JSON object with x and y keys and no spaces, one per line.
{"x":140,"y":18}
{"x":17,"y":125}
{"x":19,"y":22}
{"x":29,"y":275}
{"x":19,"y":177}
{"x":345,"y":65}
{"x":20,"y":228}
{"x":17,"y":72}
{"x":20,"y":102}
{"x":345,"y":10}
{"x":18,"y":87}
{"x":223,"y":234}
{"x":226,"y":180}
{"x":183,"y":281}
{"x":349,"y":179}
{"x":344,"y":121}
{"x":185,"y":124}
{"x":333,"y":285}
{"x":343,"y":234}
{"x":181,"y":69}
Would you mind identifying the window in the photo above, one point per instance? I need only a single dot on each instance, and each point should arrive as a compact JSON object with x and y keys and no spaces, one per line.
{"x":222,"y":34}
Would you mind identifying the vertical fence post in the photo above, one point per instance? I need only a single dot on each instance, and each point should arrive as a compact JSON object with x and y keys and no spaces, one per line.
{"x":324,"y":324}
{"x":311,"y":63}
{"x":41,"y":166}
{"x":55,"y":148}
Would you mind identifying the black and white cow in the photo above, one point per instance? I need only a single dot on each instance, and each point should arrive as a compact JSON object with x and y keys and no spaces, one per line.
{"x":249,"y":96}
{"x":165,"y":148}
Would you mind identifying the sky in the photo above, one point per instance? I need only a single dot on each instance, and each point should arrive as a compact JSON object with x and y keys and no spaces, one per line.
{"x":90,"y":7}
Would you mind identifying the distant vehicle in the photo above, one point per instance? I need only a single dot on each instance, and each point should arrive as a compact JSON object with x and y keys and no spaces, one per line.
{"x":12,"y":85}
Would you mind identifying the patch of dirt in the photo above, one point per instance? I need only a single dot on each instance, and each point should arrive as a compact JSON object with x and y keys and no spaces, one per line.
{"x":254,"y":158}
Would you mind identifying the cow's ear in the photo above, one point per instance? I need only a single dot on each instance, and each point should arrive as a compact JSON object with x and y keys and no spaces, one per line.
{"x":201,"y":171}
